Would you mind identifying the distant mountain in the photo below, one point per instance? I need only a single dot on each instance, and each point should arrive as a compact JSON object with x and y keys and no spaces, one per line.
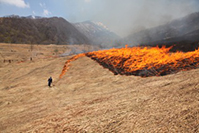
{"x":97,"y":33}
{"x":179,"y":31}
{"x":33,"y":17}
{"x":28,"y":17}
{"x":38,"y":30}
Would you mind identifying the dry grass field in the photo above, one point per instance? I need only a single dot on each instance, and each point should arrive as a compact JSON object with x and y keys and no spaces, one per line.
{"x":90,"y":98}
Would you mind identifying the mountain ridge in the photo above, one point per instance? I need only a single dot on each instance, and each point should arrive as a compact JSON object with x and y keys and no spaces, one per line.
{"x":181,"y":30}
{"x":52,"y":30}
{"x":98,"y":33}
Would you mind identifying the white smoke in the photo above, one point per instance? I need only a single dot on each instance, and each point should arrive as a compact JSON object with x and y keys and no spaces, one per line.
{"x":126,"y":16}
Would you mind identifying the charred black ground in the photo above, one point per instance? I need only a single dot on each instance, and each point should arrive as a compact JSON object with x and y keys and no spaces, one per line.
{"x":160,"y":70}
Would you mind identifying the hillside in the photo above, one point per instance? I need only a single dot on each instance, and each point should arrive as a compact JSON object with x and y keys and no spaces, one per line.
{"x":39,"y":31}
{"x":90,"y":98}
{"x":184,"y":32}
{"x":97,"y":33}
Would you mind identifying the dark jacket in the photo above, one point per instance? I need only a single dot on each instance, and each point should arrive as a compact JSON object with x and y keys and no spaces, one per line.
{"x":50,"y":80}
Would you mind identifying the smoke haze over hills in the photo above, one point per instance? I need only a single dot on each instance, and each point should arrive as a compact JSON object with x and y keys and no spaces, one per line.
{"x":121,"y":17}
{"x":125,"y":17}
{"x":132,"y":15}
{"x":183,"y":32}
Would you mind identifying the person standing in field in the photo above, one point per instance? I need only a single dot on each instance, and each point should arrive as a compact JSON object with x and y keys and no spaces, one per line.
{"x":50,"y":80}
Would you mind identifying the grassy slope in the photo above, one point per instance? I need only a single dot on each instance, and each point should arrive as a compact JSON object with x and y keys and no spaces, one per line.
{"x":90,"y":98}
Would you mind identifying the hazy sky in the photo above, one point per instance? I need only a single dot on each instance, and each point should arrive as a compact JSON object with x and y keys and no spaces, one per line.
{"x":120,"y":16}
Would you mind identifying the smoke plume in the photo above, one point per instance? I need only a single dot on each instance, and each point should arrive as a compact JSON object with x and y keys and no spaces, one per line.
{"x":128,"y":16}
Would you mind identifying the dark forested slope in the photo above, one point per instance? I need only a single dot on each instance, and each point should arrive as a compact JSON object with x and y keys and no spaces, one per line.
{"x":40,"y":31}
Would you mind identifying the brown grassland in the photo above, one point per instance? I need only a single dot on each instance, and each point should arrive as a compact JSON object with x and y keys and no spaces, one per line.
{"x":90,"y":98}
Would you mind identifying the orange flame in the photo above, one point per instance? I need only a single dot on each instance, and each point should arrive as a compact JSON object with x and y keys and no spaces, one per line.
{"x":67,"y":64}
{"x":147,"y":61}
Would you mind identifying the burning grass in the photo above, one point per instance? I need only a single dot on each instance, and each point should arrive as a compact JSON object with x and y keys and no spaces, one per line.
{"x":67,"y":63}
{"x":142,"y":61}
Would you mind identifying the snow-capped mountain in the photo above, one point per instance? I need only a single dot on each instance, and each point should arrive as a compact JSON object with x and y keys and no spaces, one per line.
{"x":34,"y":17}
{"x":100,"y":24}
{"x":97,"y":32}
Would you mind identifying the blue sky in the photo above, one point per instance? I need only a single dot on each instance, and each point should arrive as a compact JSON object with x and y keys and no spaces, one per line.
{"x":69,"y":9}
{"x":120,"y":16}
